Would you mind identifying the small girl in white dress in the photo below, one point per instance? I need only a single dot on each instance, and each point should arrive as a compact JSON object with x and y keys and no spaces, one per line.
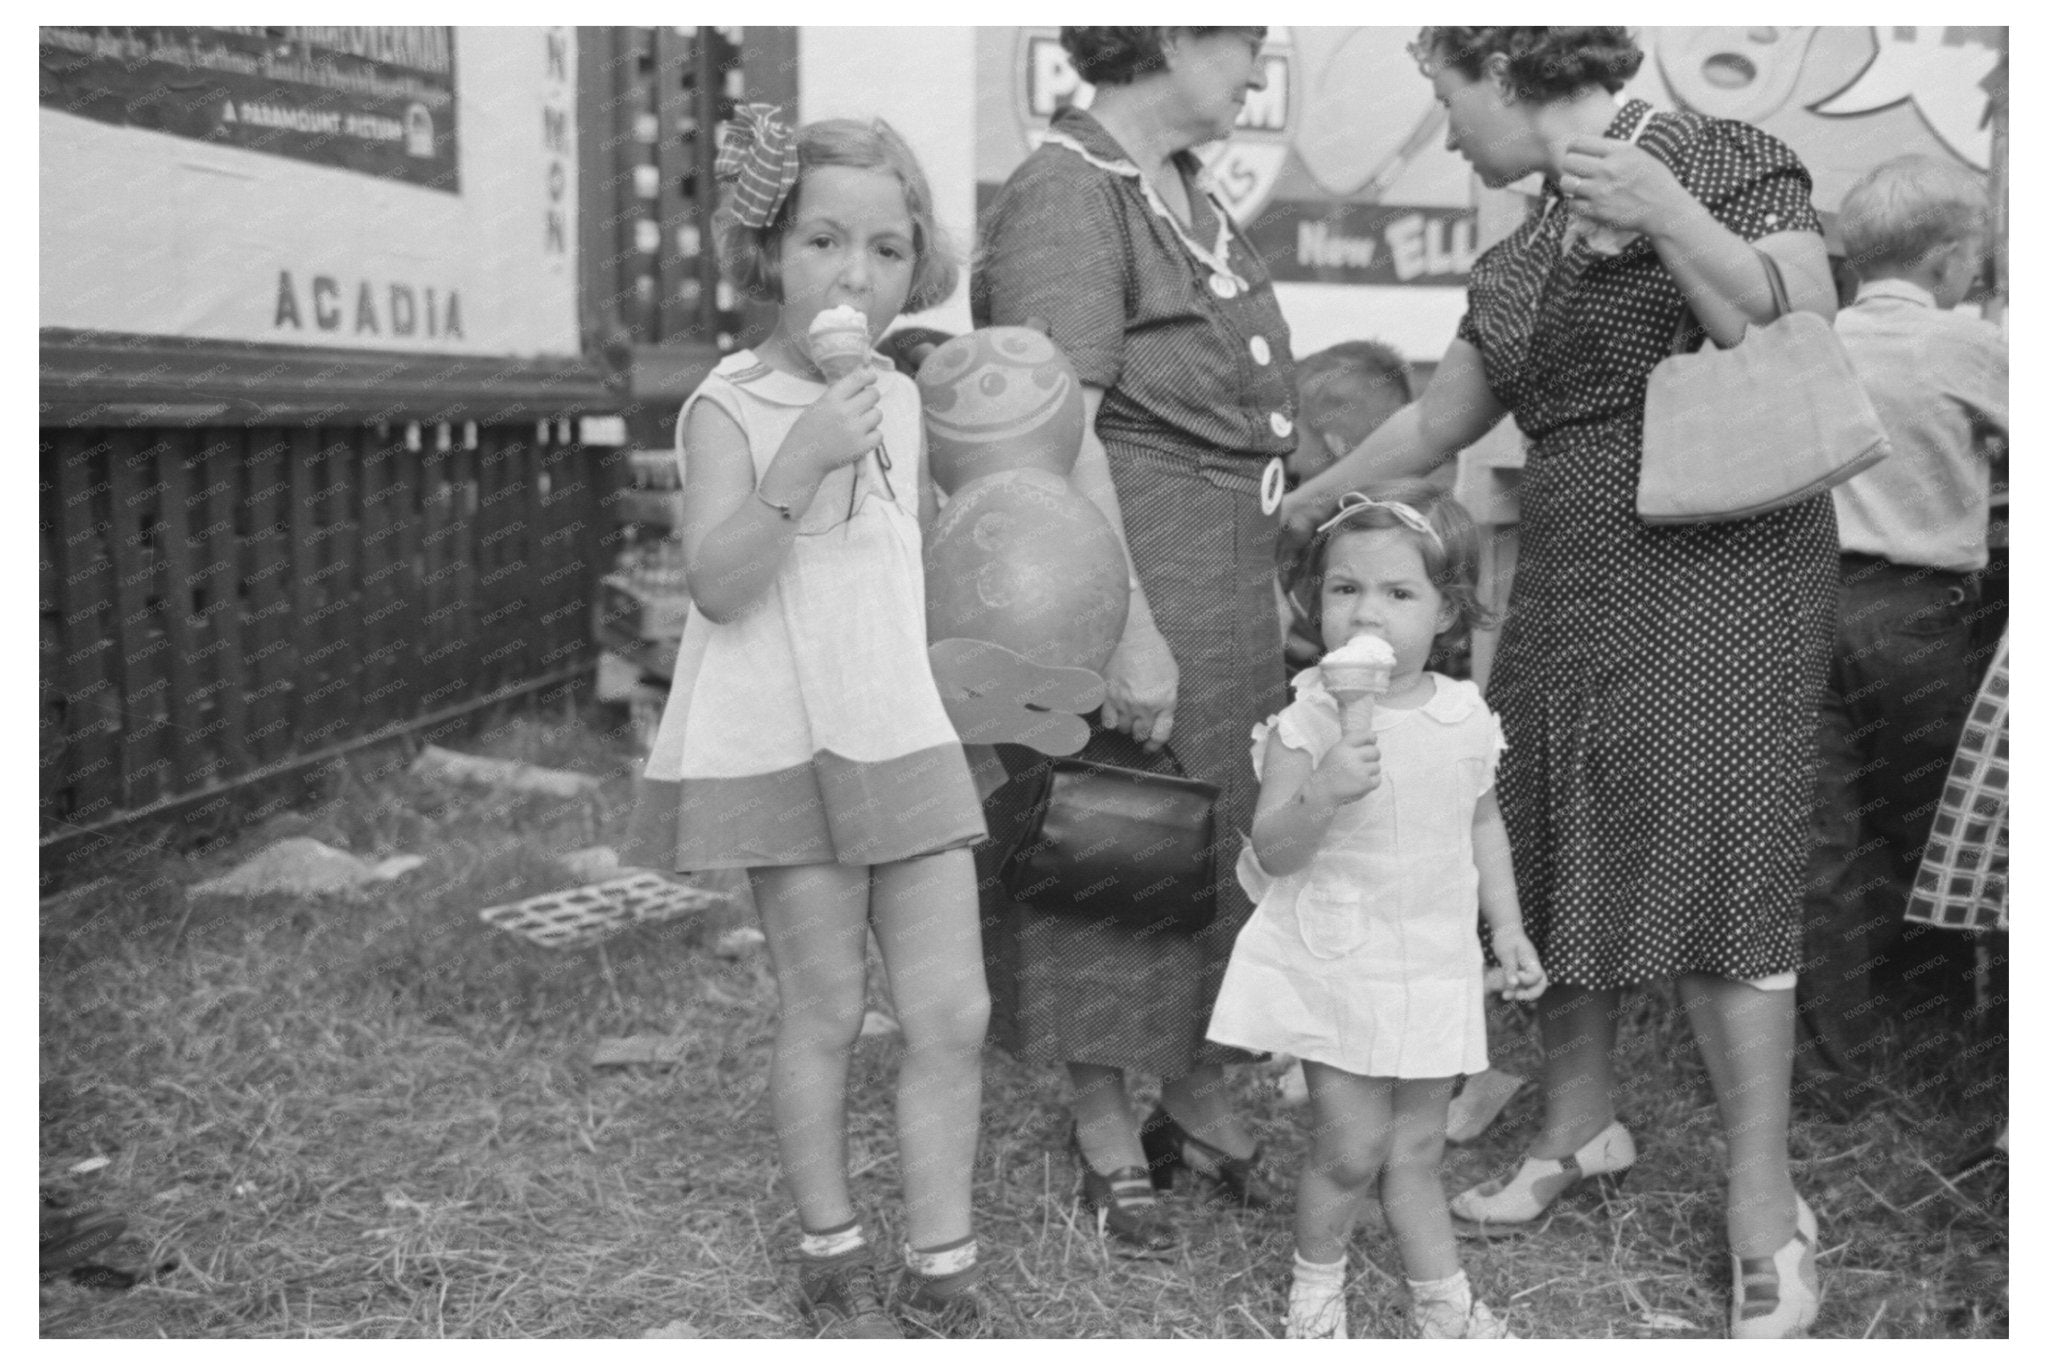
{"x":1372,"y":855}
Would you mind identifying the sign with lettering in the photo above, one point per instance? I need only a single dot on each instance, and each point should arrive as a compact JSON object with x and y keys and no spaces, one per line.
{"x":376,"y":100}
{"x":1843,"y":97}
{"x":1337,"y":173}
{"x":308,"y":186}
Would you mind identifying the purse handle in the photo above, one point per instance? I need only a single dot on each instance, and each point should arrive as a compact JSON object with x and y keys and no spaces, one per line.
{"x":1688,"y":322}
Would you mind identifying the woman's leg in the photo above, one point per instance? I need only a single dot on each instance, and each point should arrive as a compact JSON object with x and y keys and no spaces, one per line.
{"x":927,"y":920}
{"x":1102,"y":1116}
{"x":1578,"y":1030}
{"x":1746,"y":1037}
{"x":816,"y":921}
{"x":1412,"y":1190}
{"x":1200,"y":1103}
{"x":1353,"y":1133}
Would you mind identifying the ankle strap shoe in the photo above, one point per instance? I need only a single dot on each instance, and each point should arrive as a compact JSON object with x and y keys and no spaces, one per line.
{"x":1778,"y":1295}
{"x":1501,"y":1206}
{"x":1241,"y":1179}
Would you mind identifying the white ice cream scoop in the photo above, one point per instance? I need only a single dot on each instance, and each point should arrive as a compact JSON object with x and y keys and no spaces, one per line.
{"x":839,"y":341}
{"x":1356,"y":673}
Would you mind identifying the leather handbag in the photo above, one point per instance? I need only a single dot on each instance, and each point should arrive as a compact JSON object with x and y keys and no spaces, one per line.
{"x":1761,"y":425}
{"x":1131,"y":847}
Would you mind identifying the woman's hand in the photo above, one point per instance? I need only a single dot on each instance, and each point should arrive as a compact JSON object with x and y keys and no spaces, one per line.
{"x":1144,"y":686}
{"x":1522,"y":976}
{"x":1621,"y":185}
{"x":1298,"y":520}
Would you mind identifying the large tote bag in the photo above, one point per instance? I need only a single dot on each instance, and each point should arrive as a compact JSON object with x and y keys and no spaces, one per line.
{"x":1739,"y":432}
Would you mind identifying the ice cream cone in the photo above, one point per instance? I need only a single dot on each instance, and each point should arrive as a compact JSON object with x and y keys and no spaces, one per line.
{"x":1357,"y":673}
{"x":838,"y":341}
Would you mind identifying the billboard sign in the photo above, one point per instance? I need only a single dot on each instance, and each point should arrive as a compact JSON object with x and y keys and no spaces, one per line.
{"x":1337,"y":173}
{"x":391,"y":189}
{"x":380,"y":101}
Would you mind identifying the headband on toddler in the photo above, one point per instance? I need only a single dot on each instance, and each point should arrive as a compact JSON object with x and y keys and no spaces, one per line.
{"x":757,"y":163}
{"x":1351,"y":504}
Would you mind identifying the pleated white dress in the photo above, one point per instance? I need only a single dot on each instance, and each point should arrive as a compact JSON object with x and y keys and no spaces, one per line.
{"x":1368,"y":959}
{"x":809,"y":730}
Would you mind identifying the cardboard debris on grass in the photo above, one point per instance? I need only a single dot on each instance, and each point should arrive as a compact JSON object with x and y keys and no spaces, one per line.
{"x":306,"y":867}
{"x":448,"y":765}
{"x":588,"y":914}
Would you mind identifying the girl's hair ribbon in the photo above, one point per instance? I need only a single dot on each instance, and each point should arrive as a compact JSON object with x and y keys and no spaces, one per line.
{"x":757,"y":163}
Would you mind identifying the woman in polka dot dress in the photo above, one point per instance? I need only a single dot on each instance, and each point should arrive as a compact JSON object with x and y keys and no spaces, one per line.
{"x":1658,"y":685}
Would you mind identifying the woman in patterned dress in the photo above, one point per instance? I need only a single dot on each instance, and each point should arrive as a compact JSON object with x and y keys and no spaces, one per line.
{"x":1658,"y":685}
{"x":1108,"y":236}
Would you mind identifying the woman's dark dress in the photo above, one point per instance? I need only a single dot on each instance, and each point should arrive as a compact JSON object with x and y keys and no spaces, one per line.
{"x":1199,"y":398}
{"x":1658,"y":685}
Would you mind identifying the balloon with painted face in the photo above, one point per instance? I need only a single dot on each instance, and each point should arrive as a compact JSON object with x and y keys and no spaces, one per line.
{"x":1021,"y":559}
{"x":1000,"y":398}
{"x":1025,"y":585}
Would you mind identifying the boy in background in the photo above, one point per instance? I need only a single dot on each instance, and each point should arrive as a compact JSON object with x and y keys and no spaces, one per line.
{"x":1346,"y":390}
{"x":1913,"y":531}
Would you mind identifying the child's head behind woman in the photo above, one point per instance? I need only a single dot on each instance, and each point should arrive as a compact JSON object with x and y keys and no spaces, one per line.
{"x":785,"y":228}
{"x":1446,"y":545}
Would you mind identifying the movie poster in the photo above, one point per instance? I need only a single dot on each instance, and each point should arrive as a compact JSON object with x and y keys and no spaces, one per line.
{"x":388,"y":189}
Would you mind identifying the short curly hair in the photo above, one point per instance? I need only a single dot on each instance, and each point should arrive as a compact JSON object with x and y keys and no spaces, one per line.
{"x":748,"y":256}
{"x":1451,"y":560}
{"x":1118,"y":56}
{"x":1543,"y":63}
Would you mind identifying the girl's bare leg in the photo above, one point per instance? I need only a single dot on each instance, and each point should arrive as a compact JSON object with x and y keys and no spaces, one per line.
{"x":1412,"y":1190}
{"x":816,"y":921}
{"x":928,"y":922}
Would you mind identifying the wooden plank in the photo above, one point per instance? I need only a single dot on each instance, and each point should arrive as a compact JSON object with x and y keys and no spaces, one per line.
{"x":91,"y":781}
{"x":52,"y":742}
{"x":341,"y":551}
{"x":186,"y":698}
{"x":271,"y":657}
{"x":562,"y":607}
{"x":408,"y":482}
{"x":516,"y":558}
{"x":462,"y":562}
{"x":381,"y":576}
{"x":597,"y":149}
{"x":218,"y":545}
{"x":675,"y":209}
{"x":638,"y":285}
{"x":144,"y":676}
{"x":308,"y":587}
{"x":102,"y":379}
{"x":441,"y":622}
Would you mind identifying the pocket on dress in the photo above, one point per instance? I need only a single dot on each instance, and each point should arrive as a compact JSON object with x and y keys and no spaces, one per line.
{"x":1331,"y":915}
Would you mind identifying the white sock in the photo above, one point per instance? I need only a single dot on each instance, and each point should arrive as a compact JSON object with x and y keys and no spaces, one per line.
{"x":1447,"y":1301}
{"x":833,"y":1241}
{"x":951,"y":1259}
{"x":1315,"y":1306}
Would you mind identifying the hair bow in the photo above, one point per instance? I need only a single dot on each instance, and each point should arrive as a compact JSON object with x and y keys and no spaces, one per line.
{"x":757,"y":162}
{"x":1351,"y":504}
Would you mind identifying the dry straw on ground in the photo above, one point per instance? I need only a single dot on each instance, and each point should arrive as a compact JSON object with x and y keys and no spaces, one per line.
{"x":381,"y":1120}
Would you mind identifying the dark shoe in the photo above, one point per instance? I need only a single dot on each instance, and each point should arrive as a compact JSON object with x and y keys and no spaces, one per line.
{"x":839,"y":1298}
{"x":1238,"y":1178}
{"x":1125,"y":1207}
{"x":955,"y":1306}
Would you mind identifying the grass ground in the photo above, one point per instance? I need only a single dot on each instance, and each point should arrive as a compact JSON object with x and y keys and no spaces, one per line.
{"x":380,"y":1120}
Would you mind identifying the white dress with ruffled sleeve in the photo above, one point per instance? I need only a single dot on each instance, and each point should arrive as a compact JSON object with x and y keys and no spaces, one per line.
{"x":1368,"y":959}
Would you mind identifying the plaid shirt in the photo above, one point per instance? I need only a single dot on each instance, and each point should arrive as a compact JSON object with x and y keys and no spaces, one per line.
{"x":1179,"y":325}
{"x":1962,"y":881}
